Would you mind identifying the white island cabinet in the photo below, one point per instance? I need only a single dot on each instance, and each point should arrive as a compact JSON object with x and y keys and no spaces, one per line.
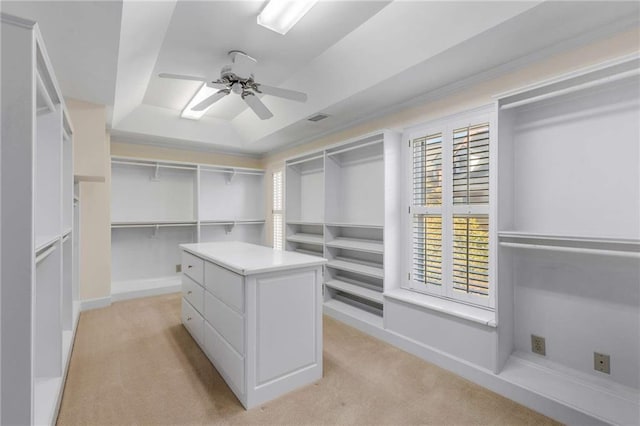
{"x":257,"y":314}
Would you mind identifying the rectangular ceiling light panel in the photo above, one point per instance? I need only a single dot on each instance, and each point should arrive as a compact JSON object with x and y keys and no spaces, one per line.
{"x":203,"y":93}
{"x":281,"y":15}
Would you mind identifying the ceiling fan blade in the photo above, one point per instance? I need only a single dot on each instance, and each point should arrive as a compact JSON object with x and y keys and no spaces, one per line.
{"x":243,"y":65}
{"x":210,"y":100}
{"x":182,"y":77}
{"x":257,"y":106}
{"x":282,"y":93}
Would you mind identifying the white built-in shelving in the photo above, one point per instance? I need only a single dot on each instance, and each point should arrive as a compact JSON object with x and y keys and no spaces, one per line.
{"x":340,"y":205}
{"x":39,"y":304}
{"x":157,"y":205}
{"x":569,"y":238}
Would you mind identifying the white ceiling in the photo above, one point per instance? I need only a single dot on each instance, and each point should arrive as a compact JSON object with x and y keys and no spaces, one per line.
{"x":355,"y":59}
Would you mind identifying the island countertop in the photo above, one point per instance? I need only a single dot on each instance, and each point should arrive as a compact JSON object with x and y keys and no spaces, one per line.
{"x":246,"y":259}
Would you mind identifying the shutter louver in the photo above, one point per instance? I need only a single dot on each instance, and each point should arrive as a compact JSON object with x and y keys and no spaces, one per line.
{"x":278,"y":225}
{"x":427,"y":249}
{"x":427,"y":171}
{"x":471,"y":254}
{"x":471,"y":165}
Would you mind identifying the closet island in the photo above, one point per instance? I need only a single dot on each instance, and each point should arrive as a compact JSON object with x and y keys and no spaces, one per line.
{"x":256,"y":312}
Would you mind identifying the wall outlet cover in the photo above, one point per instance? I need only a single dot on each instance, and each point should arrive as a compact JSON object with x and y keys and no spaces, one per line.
{"x":179,"y":267}
{"x":602,"y":362}
{"x":538,"y":345}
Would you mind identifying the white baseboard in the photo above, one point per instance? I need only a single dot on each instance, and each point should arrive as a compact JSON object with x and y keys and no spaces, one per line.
{"x":124,"y":290}
{"x":507,"y":384}
{"x":100,"y":302}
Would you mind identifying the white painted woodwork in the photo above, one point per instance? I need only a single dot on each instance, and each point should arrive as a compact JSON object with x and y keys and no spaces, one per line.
{"x":262,"y":347}
{"x":193,"y":267}
{"x":358,"y":228}
{"x":158,"y":205}
{"x":570,"y":236}
{"x":39,"y":315}
{"x":193,"y":293}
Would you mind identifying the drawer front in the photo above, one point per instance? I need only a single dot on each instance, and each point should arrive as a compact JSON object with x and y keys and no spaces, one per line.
{"x":224,"y":358}
{"x":225,"y":285}
{"x":193,"y":266}
{"x":229,"y":323}
{"x":193,"y":292}
{"x":193,"y":321}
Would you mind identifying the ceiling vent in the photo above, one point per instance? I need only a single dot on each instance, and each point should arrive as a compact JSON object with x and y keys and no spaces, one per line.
{"x":317,"y":117}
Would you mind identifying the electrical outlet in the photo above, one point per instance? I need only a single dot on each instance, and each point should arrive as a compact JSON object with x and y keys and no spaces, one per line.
{"x":178,"y":268}
{"x":601,"y":362}
{"x":538,"y":345}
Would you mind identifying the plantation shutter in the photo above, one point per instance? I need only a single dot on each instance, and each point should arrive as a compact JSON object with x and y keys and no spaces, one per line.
{"x":471,"y":189}
{"x":277,"y":211}
{"x":427,"y":217}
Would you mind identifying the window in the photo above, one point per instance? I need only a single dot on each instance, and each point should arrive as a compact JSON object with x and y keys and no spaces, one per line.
{"x":277,"y":210}
{"x":449,"y":211}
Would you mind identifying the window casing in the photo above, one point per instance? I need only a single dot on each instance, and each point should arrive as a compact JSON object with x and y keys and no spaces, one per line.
{"x":450,"y":194}
{"x":277,"y":210}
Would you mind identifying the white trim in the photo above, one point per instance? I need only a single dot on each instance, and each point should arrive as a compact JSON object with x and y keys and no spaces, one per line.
{"x":569,"y":405}
{"x":135,"y":289}
{"x":97,"y":303}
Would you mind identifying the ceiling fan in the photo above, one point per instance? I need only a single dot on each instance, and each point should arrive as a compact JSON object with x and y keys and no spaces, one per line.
{"x":238,"y":78}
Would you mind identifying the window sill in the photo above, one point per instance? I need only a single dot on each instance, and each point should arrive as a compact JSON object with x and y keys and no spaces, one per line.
{"x":449,"y":307}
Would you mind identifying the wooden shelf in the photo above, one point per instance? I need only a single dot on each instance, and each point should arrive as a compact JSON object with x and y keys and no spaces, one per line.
{"x":355,"y":225}
{"x":306,"y":238}
{"x":369,"y":246}
{"x":572,"y":244}
{"x":304,"y":222}
{"x":334,"y":306}
{"x":151,"y":224}
{"x":355,"y":289}
{"x":45,"y":241}
{"x":348,"y":265}
{"x":232,"y":221}
{"x":309,"y":252}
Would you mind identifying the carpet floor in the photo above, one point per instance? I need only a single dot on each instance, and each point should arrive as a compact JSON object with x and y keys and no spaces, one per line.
{"x":133,"y":363}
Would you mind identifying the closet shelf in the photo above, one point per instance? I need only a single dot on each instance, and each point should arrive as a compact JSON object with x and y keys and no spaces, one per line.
{"x":151,"y":224}
{"x":44,"y":241}
{"x":309,"y":252}
{"x":354,"y":225}
{"x":306,"y":238}
{"x":348,"y":265}
{"x":231,"y":222}
{"x":339,"y":308}
{"x":348,"y":286}
{"x":571,"y":244}
{"x":369,"y":246}
{"x":304,"y":222}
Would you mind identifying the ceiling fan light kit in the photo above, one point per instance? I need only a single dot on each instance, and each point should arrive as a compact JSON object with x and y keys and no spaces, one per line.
{"x":237,"y":78}
{"x":281,"y":15}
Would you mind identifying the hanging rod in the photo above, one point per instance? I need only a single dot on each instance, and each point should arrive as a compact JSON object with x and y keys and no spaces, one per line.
{"x":45,"y":93}
{"x":545,"y":247}
{"x":578,"y":87}
{"x":166,"y":166}
{"x":351,"y":148}
{"x":42,"y":256}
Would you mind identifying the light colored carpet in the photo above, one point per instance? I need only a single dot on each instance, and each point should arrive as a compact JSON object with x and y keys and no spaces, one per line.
{"x":134,"y":363}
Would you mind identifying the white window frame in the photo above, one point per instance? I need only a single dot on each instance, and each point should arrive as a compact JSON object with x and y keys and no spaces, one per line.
{"x":278,"y":245}
{"x":446,"y":126}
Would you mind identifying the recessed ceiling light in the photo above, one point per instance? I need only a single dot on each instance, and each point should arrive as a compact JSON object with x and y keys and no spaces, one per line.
{"x":281,"y":15}
{"x":202,"y":93}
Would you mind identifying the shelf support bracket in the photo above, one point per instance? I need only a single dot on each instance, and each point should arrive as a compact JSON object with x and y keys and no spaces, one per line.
{"x":155,"y":231}
{"x":156,"y":173}
{"x":230,"y":174}
{"x":229,"y":227}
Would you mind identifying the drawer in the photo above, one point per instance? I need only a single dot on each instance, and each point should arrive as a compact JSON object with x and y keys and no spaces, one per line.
{"x":193,"y":266}
{"x":229,"y":323}
{"x":225,"y":285}
{"x":193,"y":292}
{"x":193,"y":321}
{"x":225,"y":359}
